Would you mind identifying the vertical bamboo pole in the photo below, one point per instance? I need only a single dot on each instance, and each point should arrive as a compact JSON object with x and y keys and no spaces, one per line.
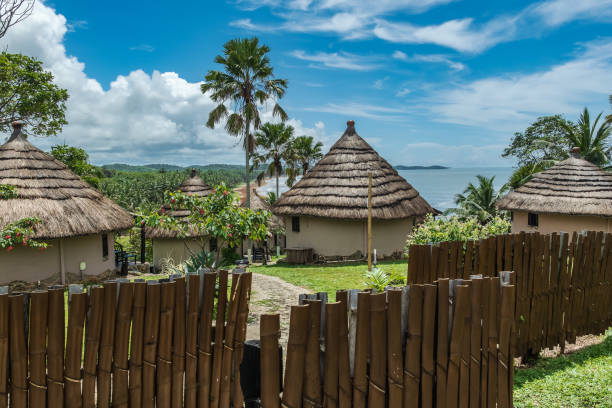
{"x":493,"y":327}
{"x":412,"y":364}
{"x":204,"y":345}
{"x":462,"y":303}
{"x":344,"y":365}
{"x":137,"y":344}
{"x":4,"y":349}
{"x":230,"y":332}
{"x":38,"y":348}
{"x":92,"y":344}
{"x":378,"y":351}
{"x":369,"y":221}
{"x":464,"y":371}
{"x":106,"y":345}
{"x":394,"y":348}
{"x":330,"y":389}
{"x":240,"y":337}
{"x":178,"y":347}
{"x":312,"y":368}
{"x":296,"y":353}
{"x":18,"y":348}
{"x":218,"y":348}
{"x":427,"y":368}
{"x":476,"y":337}
{"x":362,"y":344}
{"x":122,"y":342}
{"x":191,"y":341}
{"x":55,"y":349}
{"x":442,"y":343}
{"x":164,"y":354}
{"x":74,"y":349}
{"x":505,"y":359}
{"x":484,"y":340}
{"x":151,"y":337}
{"x":270,"y":362}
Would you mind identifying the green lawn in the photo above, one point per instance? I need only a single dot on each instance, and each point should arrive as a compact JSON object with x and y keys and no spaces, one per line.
{"x":579,"y":380}
{"x":330,"y":278}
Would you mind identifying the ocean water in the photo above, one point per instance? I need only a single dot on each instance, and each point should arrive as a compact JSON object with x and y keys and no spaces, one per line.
{"x":438,"y":187}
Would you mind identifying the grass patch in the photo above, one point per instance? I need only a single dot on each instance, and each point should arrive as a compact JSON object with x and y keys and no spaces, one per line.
{"x":330,"y":278}
{"x":582,"y":379}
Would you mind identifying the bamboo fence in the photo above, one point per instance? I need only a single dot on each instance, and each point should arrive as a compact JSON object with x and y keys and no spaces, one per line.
{"x":563,"y":281}
{"x":127,"y":344}
{"x":422,"y":345}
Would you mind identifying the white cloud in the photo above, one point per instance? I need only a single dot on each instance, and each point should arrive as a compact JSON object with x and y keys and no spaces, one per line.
{"x":556,"y":12}
{"x":361,"y":110}
{"x":143,"y":47}
{"x":433,"y":58}
{"x":403,"y":92}
{"x":340,"y":60}
{"x":380,"y":83}
{"x":509,"y":102}
{"x":141,"y":118}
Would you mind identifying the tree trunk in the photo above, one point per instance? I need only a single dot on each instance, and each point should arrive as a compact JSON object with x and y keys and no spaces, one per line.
{"x":248,"y":181}
{"x":277,"y":235}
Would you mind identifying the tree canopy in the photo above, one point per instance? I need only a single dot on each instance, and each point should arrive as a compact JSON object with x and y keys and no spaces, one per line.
{"x":28,"y":95}
{"x":478,"y":200}
{"x":77,"y":160}
{"x":591,"y":140}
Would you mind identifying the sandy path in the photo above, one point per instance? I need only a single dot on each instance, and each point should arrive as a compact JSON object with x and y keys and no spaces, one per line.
{"x":271,"y":295}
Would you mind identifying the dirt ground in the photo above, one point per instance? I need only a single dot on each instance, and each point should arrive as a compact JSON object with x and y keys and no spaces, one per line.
{"x":270,"y":295}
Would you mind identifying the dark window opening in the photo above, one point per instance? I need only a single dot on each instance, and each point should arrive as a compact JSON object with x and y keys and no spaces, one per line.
{"x":532,"y":219}
{"x":213,"y":244}
{"x":511,"y":215}
{"x":105,"y":245}
{"x":295,"y":224}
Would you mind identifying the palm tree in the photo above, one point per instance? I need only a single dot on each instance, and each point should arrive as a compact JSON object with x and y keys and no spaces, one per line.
{"x":241,"y":89}
{"x":478,"y":200}
{"x":273,"y":141}
{"x":592,"y":141}
{"x":303,"y":154}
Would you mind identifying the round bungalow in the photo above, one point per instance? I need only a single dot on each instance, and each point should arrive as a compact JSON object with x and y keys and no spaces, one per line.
{"x":275,"y":226}
{"x":77,"y":221}
{"x":327,"y":210}
{"x":166,"y":244}
{"x":573,"y":195}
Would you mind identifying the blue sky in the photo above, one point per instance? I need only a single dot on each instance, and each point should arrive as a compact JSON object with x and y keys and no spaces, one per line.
{"x":426,"y":81}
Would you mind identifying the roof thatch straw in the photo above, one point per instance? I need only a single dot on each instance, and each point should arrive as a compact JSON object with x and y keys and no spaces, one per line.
{"x":337,"y":186}
{"x":258,"y":203}
{"x":572,"y":187}
{"x":46,"y":189}
{"x":193,"y":186}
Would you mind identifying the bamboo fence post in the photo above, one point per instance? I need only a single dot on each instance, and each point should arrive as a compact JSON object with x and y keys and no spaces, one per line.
{"x":442,"y":343}
{"x":240,"y":337}
{"x":121,"y":348}
{"x":395,"y":361}
{"x":378,"y":351}
{"x":55,"y":349}
{"x":330,"y":389}
{"x":39,"y":302}
{"x":505,"y":358}
{"x":475,"y":342}
{"x":137,"y":344}
{"x":270,"y":362}
{"x":464,"y":371}
{"x":215,"y":386}
{"x":344,"y":364}
{"x":18,"y":350}
{"x":164,"y":349}
{"x":191,"y":340}
{"x":411,"y":275}
{"x":230,"y":332}
{"x":106,"y":344}
{"x":204,"y":345}
{"x":92,"y":344}
{"x":312,"y":362}
{"x":492,"y":347}
{"x":4,"y":349}
{"x":362,"y":341}
{"x":296,"y":353}
{"x":428,"y":341}
{"x":74,"y":349}
{"x":178,"y":346}
{"x":150,"y":340}
{"x":462,"y":304}
{"x":412,"y":363}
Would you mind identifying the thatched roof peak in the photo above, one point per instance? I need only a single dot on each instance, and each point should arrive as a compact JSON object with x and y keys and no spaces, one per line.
{"x":66,"y":205}
{"x":337,"y":186}
{"x":573,"y":187}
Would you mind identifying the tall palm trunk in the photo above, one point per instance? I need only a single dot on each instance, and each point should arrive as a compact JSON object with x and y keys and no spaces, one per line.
{"x":247,"y":148}
{"x":277,"y":235}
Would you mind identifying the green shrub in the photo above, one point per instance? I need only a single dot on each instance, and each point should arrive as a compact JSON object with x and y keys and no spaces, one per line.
{"x":377,"y":279}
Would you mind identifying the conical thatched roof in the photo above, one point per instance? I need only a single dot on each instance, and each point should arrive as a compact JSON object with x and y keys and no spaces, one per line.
{"x":66,"y":205}
{"x":337,"y":186}
{"x":573,"y":187}
{"x":194,"y":185}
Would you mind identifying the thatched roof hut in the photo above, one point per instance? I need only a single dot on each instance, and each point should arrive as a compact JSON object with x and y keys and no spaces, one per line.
{"x":66,"y":205}
{"x":337,"y":186}
{"x":193,"y":186}
{"x":571,"y":187}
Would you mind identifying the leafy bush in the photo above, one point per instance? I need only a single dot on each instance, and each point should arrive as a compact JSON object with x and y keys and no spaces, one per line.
{"x":202,"y":259}
{"x":7,"y":192}
{"x":377,"y":279}
{"x":229,"y":256}
{"x":433,"y":230}
{"x":19,"y":234}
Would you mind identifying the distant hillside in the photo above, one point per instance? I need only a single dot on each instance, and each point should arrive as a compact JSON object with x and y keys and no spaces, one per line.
{"x":168,"y":167}
{"x":435,"y":167}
